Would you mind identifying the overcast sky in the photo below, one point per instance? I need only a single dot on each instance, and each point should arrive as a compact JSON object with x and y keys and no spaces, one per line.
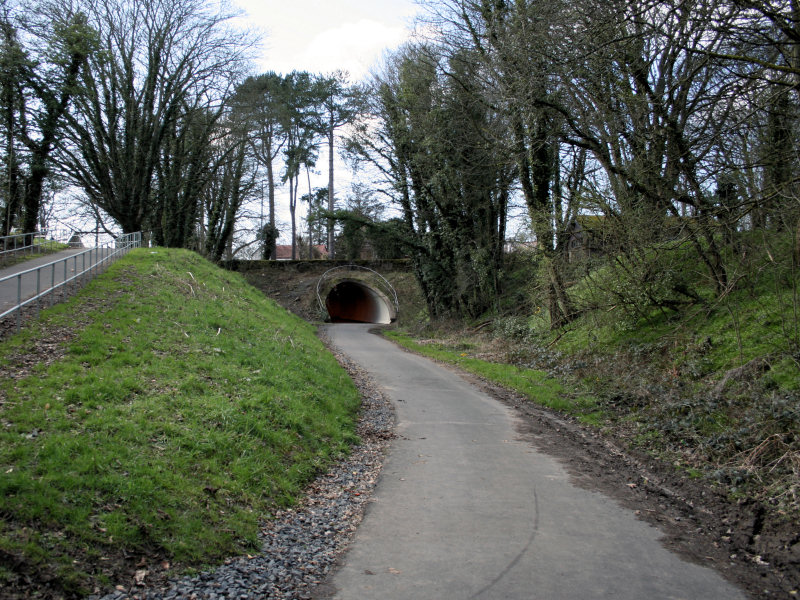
{"x":324,"y":35}
{"x":321,"y":36}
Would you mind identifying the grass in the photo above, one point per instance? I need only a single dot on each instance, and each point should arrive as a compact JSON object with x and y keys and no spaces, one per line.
{"x":758,"y":316}
{"x":181,"y":407}
{"x":534,"y":384}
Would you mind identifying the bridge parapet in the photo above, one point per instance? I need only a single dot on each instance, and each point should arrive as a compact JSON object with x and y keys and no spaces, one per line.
{"x":317,"y":266}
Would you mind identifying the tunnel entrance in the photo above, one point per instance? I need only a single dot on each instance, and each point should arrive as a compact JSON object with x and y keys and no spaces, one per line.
{"x":355,"y":302}
{"x":354,"y":294}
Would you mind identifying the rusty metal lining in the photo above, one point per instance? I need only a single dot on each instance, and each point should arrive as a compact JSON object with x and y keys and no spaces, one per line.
{"x":357,"y":294}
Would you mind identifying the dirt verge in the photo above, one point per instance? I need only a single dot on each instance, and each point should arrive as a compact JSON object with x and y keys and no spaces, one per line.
{"x":759,"y":553}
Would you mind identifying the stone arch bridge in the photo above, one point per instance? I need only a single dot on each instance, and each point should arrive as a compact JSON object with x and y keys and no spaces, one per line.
{"x":327,"y":290}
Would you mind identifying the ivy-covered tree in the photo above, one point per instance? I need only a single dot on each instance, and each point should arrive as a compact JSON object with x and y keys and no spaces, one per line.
{"x":360,"y":221}
{"x":37,"y":87}
{"x":14,"y":64}
{"x":434,"y":141}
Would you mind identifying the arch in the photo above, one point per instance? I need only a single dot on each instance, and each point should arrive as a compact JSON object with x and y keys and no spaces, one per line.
{"x":351,"y":300}
{"x":357,"y":294}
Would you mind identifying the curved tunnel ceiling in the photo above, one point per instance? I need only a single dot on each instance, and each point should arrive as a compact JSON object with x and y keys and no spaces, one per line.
{"x":351,"y":301}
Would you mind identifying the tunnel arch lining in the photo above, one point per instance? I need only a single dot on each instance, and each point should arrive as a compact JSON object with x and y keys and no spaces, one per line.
{"x":356,"y":284}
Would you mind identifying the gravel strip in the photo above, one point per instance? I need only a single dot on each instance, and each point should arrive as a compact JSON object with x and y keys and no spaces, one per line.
{"x":300,"y":545}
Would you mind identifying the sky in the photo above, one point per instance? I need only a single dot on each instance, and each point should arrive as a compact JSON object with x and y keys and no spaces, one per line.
{"x":325,"y":35}
{"x":322,"y":36}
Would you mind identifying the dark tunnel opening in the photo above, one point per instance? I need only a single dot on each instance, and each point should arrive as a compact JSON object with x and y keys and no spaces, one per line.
{"x":355,"y":302}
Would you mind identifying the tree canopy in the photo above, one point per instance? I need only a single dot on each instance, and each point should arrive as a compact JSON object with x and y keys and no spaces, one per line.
{"x":674,"y":122}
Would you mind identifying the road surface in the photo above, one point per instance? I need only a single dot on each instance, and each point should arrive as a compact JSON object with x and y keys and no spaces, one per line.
{"x":466,"y":509}
{"x":48,"y":277}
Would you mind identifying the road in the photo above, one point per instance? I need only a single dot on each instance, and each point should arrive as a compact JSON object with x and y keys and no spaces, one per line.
{"x":467,"y":509}
{"x":8,"y":289}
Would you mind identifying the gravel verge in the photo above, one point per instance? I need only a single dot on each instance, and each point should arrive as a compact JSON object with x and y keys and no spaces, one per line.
{"x":302,"y":544}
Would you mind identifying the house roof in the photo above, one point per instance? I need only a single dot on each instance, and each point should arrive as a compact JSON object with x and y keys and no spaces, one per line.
{"x":284,"y":252}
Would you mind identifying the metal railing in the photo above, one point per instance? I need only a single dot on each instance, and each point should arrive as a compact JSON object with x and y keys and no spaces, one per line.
{"x":60,"y":273}
{"x":20,"y":244}
{"x":26,"y":244}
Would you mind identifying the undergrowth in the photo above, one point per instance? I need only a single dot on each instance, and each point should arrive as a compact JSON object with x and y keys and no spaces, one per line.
{"x":707,"y":381}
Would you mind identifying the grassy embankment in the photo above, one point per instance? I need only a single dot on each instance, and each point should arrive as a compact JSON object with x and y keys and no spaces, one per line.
{"x":158,"y":416}
{"x":711,"y":384}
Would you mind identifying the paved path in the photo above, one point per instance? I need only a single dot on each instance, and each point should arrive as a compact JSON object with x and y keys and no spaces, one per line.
{"x":8,"y":289}
{"x":466,"y":510}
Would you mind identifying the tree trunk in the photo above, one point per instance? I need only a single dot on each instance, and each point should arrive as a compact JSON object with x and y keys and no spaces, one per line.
{"x":33,"y":200}
{"x":310,"y":233}
{"x":331,"y":203}
{"x":292,"y":210}
{"x":797,"y":244}
{"x":271,"y":192}
{"x":12,"y":200}
{"x":561,"y":310}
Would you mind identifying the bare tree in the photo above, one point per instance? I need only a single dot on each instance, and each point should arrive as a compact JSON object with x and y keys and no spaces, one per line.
{"x":764,"y":46}
{"x":223,"y":199}
{"x":632,"y":87}
{"x":162,"y":61}
{"x":37,"y":85}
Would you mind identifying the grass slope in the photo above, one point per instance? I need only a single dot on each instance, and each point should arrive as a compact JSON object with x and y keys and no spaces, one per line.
{"x":162,"y":412}
{"x":712,"y":387}
{"x":534,"y":384}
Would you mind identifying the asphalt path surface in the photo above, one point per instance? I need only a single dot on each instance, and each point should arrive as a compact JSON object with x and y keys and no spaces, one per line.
{"x":9,"y":291}
{"x":466,"y":508}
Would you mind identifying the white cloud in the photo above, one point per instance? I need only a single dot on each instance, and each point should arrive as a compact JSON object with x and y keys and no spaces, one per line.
{"x":354,"y":47}
{"x":325,"y":35}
